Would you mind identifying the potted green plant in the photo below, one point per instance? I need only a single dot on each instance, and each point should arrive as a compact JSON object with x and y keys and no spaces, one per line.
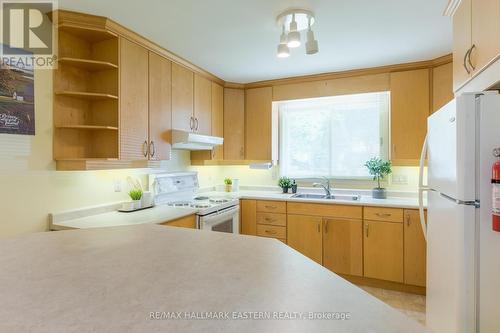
{"x":229,"y":184}
{"x":379,"y":169}
{"x":285,"y":183}
{"x":136,"y":195}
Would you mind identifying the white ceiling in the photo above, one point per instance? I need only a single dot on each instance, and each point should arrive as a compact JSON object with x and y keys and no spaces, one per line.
{"x":236,"y":40}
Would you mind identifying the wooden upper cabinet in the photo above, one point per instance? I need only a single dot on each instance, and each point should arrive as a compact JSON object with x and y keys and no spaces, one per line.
{"x":218,"y":118}
{"x":182,"y":98}
{"x":383,"y":250}
{"x":461,"y":43}
{"x":409,"y":112}
{"x":258,"y":123}
{"x":343,"y":246}
{"x":476,"y":27}
{"x":234,"y":124}
{"x":304,"y":234}
{"x":202,"y":105}
{"x":160,"y":107}
{"x":133,"y":101}
{"x":485,"y":32}
{"x":442,"y":86}
{"x":414,"y":250}
{"x":217,"y":127}
{"x":248,"y":217}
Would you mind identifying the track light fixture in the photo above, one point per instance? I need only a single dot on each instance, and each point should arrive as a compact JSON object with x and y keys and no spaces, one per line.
{"x":296,"y":20}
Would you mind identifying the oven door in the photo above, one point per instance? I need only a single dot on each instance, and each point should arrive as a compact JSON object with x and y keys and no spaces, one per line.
{"x":223,"y":221}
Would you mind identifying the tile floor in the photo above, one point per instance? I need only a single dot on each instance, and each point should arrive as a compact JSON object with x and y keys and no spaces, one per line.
{"x":410,"y":304}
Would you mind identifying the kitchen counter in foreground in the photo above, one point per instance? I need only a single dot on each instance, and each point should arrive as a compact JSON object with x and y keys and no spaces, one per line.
{"x":128,"y":279}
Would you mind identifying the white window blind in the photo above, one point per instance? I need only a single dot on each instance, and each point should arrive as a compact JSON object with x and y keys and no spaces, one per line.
{"x":333,"y":136}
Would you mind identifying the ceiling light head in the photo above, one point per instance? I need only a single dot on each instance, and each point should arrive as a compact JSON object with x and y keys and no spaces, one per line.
{"x":293,"y":39}
{"x":311,"y":44}
{"x":283,"y":51}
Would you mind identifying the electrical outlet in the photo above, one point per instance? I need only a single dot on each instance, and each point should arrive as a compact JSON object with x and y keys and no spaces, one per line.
{"x":117,"y":185}
{"x":400,"y":179}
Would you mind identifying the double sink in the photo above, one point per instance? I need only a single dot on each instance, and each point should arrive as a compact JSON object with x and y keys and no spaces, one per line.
{"x":346,"y":197}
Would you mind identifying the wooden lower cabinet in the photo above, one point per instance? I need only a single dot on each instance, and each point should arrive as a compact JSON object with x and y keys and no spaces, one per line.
{"x":304,"y":234}
{"x":414,"y":250}
{"x":248,"y":217}
{"x":383,"y":250}
{"x":183,"y":222}
{"x":343,"y":246}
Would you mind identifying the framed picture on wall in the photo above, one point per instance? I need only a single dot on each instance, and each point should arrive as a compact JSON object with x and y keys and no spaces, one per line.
{"x":17,"y":96}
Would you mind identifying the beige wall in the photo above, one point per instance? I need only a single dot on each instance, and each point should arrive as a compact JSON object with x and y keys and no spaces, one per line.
{"x":31,"y":188}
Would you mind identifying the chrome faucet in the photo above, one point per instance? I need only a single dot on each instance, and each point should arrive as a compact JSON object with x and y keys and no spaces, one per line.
{"x":325,"y":186}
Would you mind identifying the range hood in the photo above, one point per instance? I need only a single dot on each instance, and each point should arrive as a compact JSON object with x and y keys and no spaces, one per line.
{"x":184,"y":140}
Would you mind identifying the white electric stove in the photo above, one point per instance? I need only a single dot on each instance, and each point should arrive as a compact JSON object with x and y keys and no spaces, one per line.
{"x":180,"y":189}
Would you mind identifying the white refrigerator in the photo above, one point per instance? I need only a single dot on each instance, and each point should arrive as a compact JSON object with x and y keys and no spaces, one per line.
{"x":463,"y":252}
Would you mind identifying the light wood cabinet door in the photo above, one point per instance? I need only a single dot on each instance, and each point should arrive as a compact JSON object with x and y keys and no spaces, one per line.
{"x":409,"y":112}
{"x":383,"y":250}
{"x":462,"y":35}
{"x":442,"y":86}
{"x":234,"y":124}
{"x":160,"y":107}
{"x":485,"y":32}
{"x":133,"y":101}
{"x":248,"y":217}
{"x":258,"y":123}
{"x":414,"y":250}
{"x":182,"y":98}
{"x":183,"y":222}
{"x":202,"y":105}
{"x":343,"y":246}
{"x":218,"y":118}
{"x":304,"y":234}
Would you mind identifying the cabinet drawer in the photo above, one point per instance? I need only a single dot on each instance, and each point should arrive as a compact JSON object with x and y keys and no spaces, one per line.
{"x":384,"y":214}
{"x":271,"y":231}
{"x":271,"y":206}
{"x":327,"y":210}
{"x":271,"y":219}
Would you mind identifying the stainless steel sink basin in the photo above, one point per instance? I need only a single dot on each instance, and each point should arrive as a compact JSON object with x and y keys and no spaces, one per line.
{"x":347,"y":197}
{"x":309,"y":196}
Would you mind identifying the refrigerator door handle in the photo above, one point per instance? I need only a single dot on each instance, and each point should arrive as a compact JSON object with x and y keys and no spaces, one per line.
{"x":422,"y":188}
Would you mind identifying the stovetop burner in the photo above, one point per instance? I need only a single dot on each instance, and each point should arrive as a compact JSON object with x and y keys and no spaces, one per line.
{"x":179,"y":203}
{"x":219,"y":200}
{"x":200,"y":205}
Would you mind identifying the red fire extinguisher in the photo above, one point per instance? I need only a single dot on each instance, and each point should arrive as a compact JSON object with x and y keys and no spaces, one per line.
{"x":495,"y":182}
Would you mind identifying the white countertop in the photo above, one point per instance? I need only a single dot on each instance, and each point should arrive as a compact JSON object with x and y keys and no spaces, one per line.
{"x":111,"y":279}
{"x":96,"y":217}
{"x":155,"y":215}
{"x":410,"y":202}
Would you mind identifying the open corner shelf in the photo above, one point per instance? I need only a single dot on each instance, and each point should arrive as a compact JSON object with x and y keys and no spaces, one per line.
{"x":86,"y":95}
{"x":89,"y":65}
{"x":90,"y":34}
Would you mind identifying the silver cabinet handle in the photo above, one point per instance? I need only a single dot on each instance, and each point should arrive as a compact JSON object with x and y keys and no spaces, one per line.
{"x":268,"y":219}
{"x":465,"y":61}
{"x":326,"y":225}
{"x":152,"y":149}
{"x":196,"y":124}
{"x":383,"y":214}
{"x":191,"y":123}
{"x":271,"y":207}
{"x":319,"y":227}
{"x":145,"y":148}
{"x":468,"y":57}
{"x":408,"y":220}
{"x":271,"y":232}
{"x":367,"y":229}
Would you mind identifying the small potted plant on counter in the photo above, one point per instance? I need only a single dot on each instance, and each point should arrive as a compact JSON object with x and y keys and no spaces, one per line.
{"x":285,"y":183}
{"x":378,"y":168}
{"x":136,"y":195}
{"x":229,"y":184}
